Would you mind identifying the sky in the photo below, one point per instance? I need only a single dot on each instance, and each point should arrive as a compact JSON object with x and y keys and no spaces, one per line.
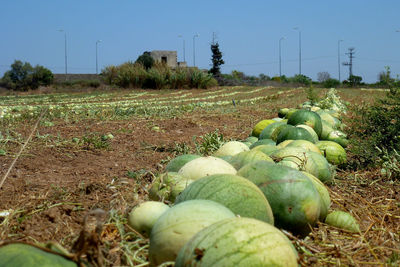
{"x":248,"y":33}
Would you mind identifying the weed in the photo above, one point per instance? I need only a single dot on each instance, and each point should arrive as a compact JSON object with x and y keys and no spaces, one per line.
{"x":181,"y":148}
{"x":208,"y":143}
{"x":95,"y":141}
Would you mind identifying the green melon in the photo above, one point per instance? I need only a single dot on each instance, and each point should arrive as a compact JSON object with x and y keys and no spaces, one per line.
{"x":23,"y":255}
{"x":267,"y":132}
{"x":324,"y":194}
{"x":333,"y":152}
{"x":260,"y":126}
{"x":314,"y":135}
{"x":167,"y":186}
{"x":293,"y":133}
{"x":236,"y":193}
{"x":239,"y":242}
{"x":175,"y":164}
{"x":143,"y":216}
{"x":262,"y":142}
{"x":282,"y":112}
{"x":231,"y":148}
{"x":250,"y":140}
{"x":284,"y":144}
{"x":338,"y":137}
{"x":243,"y":158}
{"x":307,"y":145}
{"x":303,"y":160}
{"x":266,"y":149}
{"x":343,"y":220}
{"x":326,"y":130}
{"x":180,"y":223}
{"x":307,"y":117}
{"x":290,"y":112}
{"x":278,"y":130}
{"x":294,"y":200}
{"x":205,"y":166}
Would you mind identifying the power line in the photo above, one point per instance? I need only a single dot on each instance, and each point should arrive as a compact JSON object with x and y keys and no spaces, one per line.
{"x":276,"y":62}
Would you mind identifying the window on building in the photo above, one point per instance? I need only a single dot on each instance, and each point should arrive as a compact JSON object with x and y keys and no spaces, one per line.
{"x":164,"y":60}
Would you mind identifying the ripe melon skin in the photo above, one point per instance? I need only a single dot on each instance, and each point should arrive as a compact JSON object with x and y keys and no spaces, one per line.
{"x":294,"y":133}
{"x":307,"y":117}
{"x":343,"y":220}
{"x":294,"y":200}
{"x":236,"y":193}
{"x":231,"y":148}
{"x":243,"y":158}
{"x":23,"y":255}
{"x":143,"y":216}
{"x":167,"y":186}
{"x":175,"y":164}
{"x":262,"y":142}
{"x":205,"y":166}
{"x":266,"y":149}
{"x":333,"y":152}
{"x":267,"y":132}
{"x":180,"y":223}
{"x":238,"y":242}
{"x":324,"y":194}
{"x":260,"y":126}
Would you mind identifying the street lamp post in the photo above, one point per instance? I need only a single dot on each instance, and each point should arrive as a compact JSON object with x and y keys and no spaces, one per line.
{"x":65,"y":52}
{"x":297,"y":29}
{"x":338,"y":54}
{"x":280,"y":57}
{"x":97,"y":72}
{"x":184,"y":56}
{"x":194,"y":49}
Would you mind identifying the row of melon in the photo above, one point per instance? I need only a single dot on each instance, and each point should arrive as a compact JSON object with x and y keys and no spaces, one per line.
{"x":190,"y":177}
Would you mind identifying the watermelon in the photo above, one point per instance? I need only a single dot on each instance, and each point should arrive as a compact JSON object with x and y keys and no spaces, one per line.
{"x":326,"y":130}
{"x":24,"y":255}
{"x":333,"y":152}
{"x":307,"y":117}
{"x":284,"y":144}
{"x":282,"y":112}
{"x":343,"y":220}
{"x":243,"y":158}
{"x":293,"y":133}
{"x":307,"y":145}
{"x":143,"y":216}
{"x":180,"y":223}
{"x":239,"y":242}
{"x":263,"y":142}
{"x":267,"y":132}
{"x":294,"y":200}
{"x":266,"y":149}
{"x":175,"y":164}
{"x":338,"y":137}
{"x":205,"y":166}
{"x":323,"y":193}
{"x":167,"y":186}
{"x":236,"y":193}
{"x":314,"y":135}
{"x":231,"y":148}
{"x":290,"y":112}
{"x":260,"y":126}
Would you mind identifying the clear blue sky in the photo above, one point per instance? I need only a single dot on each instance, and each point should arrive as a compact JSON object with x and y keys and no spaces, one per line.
{"x":248,"y":33}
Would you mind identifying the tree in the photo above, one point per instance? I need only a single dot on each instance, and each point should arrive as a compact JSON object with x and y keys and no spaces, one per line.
{"x":216,"y":60}
{"x":23,"y":76}
{"x":146,"y":60}
{"x":323,"y":76}
{"x":355,"y":80}
{"x":385,"y":76}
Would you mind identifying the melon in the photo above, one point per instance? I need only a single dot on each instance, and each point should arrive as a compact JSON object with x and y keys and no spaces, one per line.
{"x":262,"y":142}
{"x":282,"y":112}
{"x":167,"y":186}
{"x":293,"y":133}
{"x":323,"y":193}
{"x":267,"y":132}
{"x":290,"y":112}
{"x":314,"y":135}
{"x":266,"y":149}
{"x":294,"y":200}
{"x":205,"y":166}
{"x":307,"y":145}
{"x":333,"y":152}
{"x":143,"y":216}
{"x":175,"y":164}
{"x":307,"y":117}
{"x":231,"y":148}
{"x":24,"y":255}
{"x":243,"y":158}
{"x":338,"y":137}
{"x":260,"y":126}
{"x":236,"y":193}
{"x":180,"y":223}
{"x":343,"y":220}
{"x":239,"y":242}
{"x":284,"y":144}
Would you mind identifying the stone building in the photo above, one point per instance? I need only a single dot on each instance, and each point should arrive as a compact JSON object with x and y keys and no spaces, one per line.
{"x":168,"y":57}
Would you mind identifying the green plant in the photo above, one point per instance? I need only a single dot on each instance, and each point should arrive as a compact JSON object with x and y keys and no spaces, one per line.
{"x":301,"y":79}
{"x":331,"y":83}
{"x":208,"y":143}
{"x":94,"y":141}
{"x":216,"y":59}
{"x":312,"y":95}
{"x":146,"y":60}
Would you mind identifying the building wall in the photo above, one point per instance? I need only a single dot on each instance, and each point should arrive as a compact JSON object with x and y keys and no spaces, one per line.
{"x":171,"y":56}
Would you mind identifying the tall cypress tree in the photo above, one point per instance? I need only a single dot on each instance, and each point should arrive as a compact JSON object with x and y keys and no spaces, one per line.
{"x":216,"y":59}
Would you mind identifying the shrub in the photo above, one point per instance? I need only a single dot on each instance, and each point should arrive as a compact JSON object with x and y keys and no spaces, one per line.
{"x":23,"y":76}
{"x":355,"y":80}
{"x":331,"y":83}
{"x":146,"y":60}
{"x":300,"y":78}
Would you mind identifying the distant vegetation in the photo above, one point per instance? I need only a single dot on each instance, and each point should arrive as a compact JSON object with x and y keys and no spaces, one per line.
{"x":23,"y":76}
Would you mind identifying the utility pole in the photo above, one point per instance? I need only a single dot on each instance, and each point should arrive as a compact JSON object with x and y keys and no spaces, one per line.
{"x":338,"y":54}
{"x":350,"y":63}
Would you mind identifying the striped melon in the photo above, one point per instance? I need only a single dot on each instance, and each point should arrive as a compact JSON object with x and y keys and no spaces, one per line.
{"x":343,"y":220}
{"x":175,"y":164}
{"x":293,"y":198}
{"x":266,"y":149}
{"x":205,"y":166}
{"x":243,"y":158}
{"x":324,"y":194}
{"x":261,"y":142}
{"x":239,"y":242}
{"x":307,"y":117}
{"x":167,"y":186}
{"x":236,"y":193}
{"x":333,"y":152}
{"x":178,"y":224}
{"x":231,"y":148}
{"x":260,"y":126}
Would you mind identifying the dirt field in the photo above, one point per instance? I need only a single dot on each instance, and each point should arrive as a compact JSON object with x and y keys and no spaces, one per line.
{"x":67,"y":169}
